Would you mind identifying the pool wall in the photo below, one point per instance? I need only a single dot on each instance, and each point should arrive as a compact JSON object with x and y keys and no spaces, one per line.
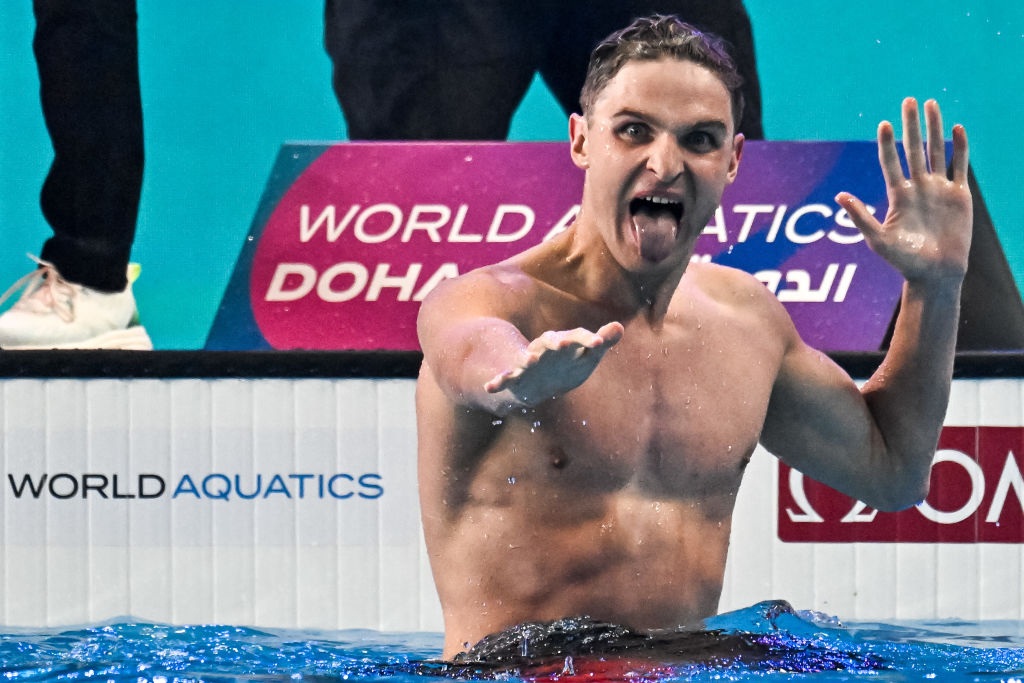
{"x":292,"y":502}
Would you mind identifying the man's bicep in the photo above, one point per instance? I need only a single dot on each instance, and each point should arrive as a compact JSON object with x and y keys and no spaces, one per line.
{"x":817,"y":421}
{"x":466,"y":338}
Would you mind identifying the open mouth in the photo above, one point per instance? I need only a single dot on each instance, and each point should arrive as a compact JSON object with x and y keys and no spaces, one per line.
{"x":655,"y":225}
{"x":655,"y":205}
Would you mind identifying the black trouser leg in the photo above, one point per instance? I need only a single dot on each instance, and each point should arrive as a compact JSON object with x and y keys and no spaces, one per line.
{"x":87,"y":55}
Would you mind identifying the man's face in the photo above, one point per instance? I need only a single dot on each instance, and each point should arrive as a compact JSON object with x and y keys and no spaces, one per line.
{"x":658,"y":148}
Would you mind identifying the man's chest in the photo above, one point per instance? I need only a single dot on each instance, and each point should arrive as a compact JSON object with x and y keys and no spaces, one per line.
{"x":680,"y":417}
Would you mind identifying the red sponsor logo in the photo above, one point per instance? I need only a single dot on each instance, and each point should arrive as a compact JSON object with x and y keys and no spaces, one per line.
{"x":976,"y":496}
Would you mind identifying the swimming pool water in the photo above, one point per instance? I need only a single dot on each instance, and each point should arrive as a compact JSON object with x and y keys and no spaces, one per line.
{"x":768,"y":640}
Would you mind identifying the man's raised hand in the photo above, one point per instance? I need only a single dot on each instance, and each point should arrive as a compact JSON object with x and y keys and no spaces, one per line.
{"x":926,"y":234}
{"x":556,"y":362}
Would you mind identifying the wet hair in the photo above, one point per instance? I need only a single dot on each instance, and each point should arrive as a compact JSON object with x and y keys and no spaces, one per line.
{"x":656,"y":37}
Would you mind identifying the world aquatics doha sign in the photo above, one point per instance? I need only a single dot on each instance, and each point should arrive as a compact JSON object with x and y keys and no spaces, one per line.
{"x":350,"y":238}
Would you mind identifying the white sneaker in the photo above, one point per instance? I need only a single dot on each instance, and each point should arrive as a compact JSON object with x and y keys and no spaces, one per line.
{"x":53,"y":313}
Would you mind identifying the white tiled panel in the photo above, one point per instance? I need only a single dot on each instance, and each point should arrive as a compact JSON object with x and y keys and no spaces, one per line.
{"x":293,"y":503}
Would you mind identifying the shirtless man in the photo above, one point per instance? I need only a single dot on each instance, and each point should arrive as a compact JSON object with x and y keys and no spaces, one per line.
{"x":586,"y":409}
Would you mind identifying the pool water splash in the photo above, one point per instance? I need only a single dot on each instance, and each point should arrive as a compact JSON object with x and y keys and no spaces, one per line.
{"x":151,"y":652}
{"x":768,"y":640}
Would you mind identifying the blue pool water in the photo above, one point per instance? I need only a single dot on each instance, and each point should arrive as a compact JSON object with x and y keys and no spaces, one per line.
{"x":768,"y":640}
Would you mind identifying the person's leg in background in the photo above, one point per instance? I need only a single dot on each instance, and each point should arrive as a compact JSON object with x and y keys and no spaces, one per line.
{"x":582,"y":24}
{"x":443,"y":70}
{"x":80,"y":296}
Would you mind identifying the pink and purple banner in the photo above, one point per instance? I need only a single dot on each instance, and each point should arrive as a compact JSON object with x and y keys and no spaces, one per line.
{"x":350,"y":238}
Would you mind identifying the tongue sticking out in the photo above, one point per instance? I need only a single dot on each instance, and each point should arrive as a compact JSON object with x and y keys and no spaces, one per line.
{"x":655,"y":227}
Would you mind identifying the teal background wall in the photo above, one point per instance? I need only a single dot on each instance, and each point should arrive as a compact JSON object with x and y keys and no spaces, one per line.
{"x":225,"y":83}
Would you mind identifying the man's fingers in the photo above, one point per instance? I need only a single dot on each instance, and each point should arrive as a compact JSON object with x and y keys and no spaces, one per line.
{"x":936,"y":140}
{"x":496,"y":384}
{"x":859,"y":214}
{"x":502,"y":380}
{"x":960,"y":155}
{"x":887,"y":156}
{"x":611,"y":333}
{"x":913,"y":143}
{"x":557,"y":353}
{"x":579,"y":337}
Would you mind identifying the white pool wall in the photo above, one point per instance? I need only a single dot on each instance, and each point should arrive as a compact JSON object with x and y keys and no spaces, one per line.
{"x":324,"y":562}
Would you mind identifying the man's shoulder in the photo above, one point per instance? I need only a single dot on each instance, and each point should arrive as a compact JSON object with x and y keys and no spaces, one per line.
{"x":491,"y":285}
{"x":727,"y":284}
{"x":738,"y":291}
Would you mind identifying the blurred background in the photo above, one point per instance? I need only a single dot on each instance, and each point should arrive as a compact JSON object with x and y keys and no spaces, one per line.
{"x":222,"y":89}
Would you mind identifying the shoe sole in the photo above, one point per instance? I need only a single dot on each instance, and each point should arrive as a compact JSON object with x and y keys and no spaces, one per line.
{"x":133,"y":338}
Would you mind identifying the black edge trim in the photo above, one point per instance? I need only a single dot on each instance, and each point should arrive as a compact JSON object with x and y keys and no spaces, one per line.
{"x":352,"y":364}
{"x":209,"y":364}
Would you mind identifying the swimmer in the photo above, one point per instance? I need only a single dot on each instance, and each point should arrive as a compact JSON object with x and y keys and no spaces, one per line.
{"x":586,"y":409}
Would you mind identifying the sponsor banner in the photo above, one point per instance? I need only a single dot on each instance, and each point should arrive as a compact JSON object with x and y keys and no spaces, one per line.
{"x":350,"y":238}
{"x":40,"y":484}
{"x":976,"y":496}
{"x":205,"y":506}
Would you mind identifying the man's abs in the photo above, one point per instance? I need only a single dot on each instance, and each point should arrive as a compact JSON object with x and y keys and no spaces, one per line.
{"x":633,"y":560}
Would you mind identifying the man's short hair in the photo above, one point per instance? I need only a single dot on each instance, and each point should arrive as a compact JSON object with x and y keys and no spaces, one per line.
{"x":656,"y":37}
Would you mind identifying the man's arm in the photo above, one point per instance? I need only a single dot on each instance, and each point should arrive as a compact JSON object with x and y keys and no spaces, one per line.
{"x":481,"y":359}
{"x":877,"y":444}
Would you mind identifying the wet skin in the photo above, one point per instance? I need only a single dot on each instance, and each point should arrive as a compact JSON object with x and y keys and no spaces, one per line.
{"x":586,"y":409}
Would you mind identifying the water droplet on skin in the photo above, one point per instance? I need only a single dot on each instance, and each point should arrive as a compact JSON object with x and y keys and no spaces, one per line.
{"x":914,"y":240}
{"x":584,"y":423}
{"x":495,"y":423}
{"x":511,"y":480}
{"x":728,"y":449}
